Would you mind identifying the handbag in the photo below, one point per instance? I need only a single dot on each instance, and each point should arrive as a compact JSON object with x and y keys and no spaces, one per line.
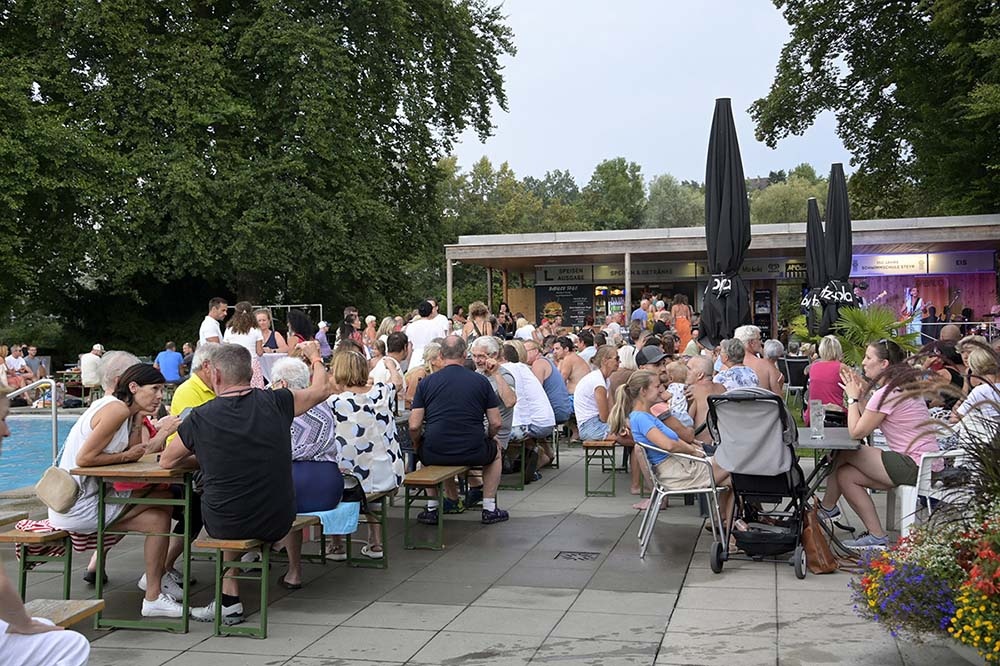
{"x":819,"y":555}
{"x":57,"y":489}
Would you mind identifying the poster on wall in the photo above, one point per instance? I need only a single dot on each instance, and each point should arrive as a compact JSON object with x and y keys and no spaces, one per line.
{"x":572,"y":301}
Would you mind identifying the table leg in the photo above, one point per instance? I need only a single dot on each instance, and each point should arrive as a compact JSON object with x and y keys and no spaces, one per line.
{"x":99,"y":578}
{"x":186,"y":553}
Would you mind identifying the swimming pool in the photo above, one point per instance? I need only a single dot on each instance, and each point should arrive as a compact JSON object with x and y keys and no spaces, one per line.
{"x":28,"y":450}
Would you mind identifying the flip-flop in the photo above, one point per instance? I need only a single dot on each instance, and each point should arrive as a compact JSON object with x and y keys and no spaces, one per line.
{"x":367,"y":551}
{"x":336,"y":556}
{"x":289,"y":586}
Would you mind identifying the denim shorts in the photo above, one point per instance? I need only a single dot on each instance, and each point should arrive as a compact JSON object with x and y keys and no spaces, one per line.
{"x":593,"y":429}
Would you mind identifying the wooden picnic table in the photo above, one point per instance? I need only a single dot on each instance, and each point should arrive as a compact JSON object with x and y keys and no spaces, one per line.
{"x":145,"y":470}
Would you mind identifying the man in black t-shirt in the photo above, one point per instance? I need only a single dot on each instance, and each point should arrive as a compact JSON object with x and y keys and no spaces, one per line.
{"x":446,"y":426}
{"x":242,"y":442}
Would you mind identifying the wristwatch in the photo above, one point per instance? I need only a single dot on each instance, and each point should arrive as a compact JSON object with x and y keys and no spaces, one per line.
{"x":850,"y":401}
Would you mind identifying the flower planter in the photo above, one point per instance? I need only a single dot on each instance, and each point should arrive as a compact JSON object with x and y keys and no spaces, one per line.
{"x":966,"y":652}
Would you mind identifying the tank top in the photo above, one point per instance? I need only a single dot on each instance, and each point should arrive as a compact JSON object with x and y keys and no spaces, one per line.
{"x":557,"y":393}
{"x":271,"y":343}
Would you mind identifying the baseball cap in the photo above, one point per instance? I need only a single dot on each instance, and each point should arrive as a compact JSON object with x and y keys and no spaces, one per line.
{"x":649,"y":355}
{"x":97,"y":347}
{"x":322,"y":324}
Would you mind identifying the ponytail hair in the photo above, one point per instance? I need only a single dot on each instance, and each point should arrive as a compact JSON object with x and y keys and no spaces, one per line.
{"x":625,"y":396}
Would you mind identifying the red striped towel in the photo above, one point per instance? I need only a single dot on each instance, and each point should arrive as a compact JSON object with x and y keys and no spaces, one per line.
{"x":81,"y":542}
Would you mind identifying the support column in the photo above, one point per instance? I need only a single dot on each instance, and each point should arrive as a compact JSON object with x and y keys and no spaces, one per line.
{"x":504,"y":278}
{"x":489,"y":288}
{"x":449,"y":274}
{"x":628,"y":286}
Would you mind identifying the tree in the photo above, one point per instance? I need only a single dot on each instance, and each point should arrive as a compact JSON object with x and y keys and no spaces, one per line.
{"x":786,"y":202}
{"x":615,"y":196}
{"x":672,"y":204}
{"x":777,"y":176}
{"x":276,"y":150}
{"x":915,"y":86}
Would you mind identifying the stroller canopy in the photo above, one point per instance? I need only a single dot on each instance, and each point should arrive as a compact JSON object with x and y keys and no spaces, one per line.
{"x":754,"y":431}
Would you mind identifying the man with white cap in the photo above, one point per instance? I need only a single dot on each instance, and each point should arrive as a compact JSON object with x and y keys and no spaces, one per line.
{"x":90,"y":364}
{"x":324,"y":345}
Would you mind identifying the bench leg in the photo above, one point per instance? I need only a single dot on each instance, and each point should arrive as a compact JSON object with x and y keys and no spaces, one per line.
{"x":68,"y":568}
{"x":219,"y":572}
{"x":264,"y":567}
{"x":555,"y":448}
{"x":440,"y":525}
{"x":520,"y":479}
{"x":22,"y":569}
{"x":366,"y":562}
{"x":407,"y":502}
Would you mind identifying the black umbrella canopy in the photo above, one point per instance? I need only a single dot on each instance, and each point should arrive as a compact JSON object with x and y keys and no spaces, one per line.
{"x":727,"y":231}
{"x":839,"y":250}
{"x":815,"y":263}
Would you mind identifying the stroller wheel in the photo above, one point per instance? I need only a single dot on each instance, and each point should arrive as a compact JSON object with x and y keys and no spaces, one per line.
{"x":716,"y":557}
{"x":800,"y":562}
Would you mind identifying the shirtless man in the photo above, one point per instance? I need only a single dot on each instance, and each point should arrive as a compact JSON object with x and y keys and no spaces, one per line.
{"x":768,"y":376}
{"x":571,"y":367}
{"x":699,"y":381}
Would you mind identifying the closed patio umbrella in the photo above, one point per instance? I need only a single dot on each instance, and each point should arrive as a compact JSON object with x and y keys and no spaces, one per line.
{"x":815,"y":264}
{"x":839,"y":251}
{"x":727,"y":231}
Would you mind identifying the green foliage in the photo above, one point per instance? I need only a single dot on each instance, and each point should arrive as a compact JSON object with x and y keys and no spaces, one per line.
{"x":914,"y":87}
{"x":282,"y":151}
{"x":672,"y":204}
{"x":856,"y":328}
{"x":615,"y":196}
{"x":786,"y":202}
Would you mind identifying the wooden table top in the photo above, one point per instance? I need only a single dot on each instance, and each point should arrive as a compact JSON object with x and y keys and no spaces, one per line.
{"x":142,"y":470}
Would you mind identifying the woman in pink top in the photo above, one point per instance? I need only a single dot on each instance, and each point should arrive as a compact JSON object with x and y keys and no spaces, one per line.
{"x":824,"y":377}
{"x":902,"y":420}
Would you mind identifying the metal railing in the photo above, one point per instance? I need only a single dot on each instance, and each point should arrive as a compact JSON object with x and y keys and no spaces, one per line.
{"x":51,"y":383}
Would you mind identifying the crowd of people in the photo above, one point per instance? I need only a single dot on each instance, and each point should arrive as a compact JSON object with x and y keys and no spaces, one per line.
{"x":480,"y":391}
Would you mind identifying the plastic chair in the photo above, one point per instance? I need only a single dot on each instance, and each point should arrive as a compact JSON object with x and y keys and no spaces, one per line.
{"x":909,"y":498}
{"x":794,"y":371}
{"x":660,"y":491}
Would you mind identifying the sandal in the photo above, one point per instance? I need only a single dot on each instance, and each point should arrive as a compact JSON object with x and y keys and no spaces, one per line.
{"x":371,"y":553}
{"x":337,"y":553}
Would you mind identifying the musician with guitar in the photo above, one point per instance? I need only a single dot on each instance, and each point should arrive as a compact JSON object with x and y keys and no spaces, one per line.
{"x":915,"y":307}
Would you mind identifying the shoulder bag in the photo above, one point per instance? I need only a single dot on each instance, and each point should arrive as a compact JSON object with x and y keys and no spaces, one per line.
{"x":57,"y":489}
{"x":819,"y":556}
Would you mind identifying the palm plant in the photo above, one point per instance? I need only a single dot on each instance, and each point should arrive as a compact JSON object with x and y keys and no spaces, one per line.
{"x":858,"y":328}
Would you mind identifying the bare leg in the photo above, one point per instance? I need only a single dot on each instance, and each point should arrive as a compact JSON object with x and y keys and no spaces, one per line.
{"x":855,"y":484}
{"x":230,"y":585}
{"x":293,"y":546}
{"x":150,"y":519}
{"x":491,"y":477}
{"x":374,"y":533}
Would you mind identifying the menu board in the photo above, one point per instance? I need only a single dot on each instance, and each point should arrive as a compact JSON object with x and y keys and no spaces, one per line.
{"x":572,"y":301}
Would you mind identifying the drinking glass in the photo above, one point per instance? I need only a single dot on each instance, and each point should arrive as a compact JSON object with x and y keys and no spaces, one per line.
{"x":817,"y":415}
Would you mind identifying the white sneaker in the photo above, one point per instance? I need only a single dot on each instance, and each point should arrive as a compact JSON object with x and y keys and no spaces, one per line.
{"x":164,"y":606}
{"x":167,"y":586}
{"x":230,"y":614}
{"x":176,"y":576}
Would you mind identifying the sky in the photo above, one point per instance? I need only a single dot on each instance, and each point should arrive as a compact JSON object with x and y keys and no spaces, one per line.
{"x":593,"y":80}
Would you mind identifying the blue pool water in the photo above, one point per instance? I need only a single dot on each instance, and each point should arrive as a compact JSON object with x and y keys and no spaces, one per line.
{"x":28,"y":450}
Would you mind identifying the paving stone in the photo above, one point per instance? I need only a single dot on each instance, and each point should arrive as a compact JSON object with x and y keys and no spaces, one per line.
{"x":542,"y":598}
{"x":606,"y":653}
{"x":468,"y":649}
{"x":628,"y":603}
{"x":372,"y":644}
{"x":506,"y":621}
{"x":612,"y":627}
{"x":431,"y":617}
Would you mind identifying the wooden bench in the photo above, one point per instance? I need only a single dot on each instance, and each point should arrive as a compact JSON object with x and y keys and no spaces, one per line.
{"x":603,"y":451}
{"x":264,"y":566}
{"x":11,"y":517}
{"x":64,"y":612}
{"x":26,"y":561}
{"x":415,"y":486}
{"x":382,"y":518}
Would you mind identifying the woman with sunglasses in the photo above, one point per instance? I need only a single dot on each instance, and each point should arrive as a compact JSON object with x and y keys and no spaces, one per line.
{"x":901,"y":414}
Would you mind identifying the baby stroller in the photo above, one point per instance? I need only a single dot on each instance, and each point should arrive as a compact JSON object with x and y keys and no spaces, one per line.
{"x":756,"y":438}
